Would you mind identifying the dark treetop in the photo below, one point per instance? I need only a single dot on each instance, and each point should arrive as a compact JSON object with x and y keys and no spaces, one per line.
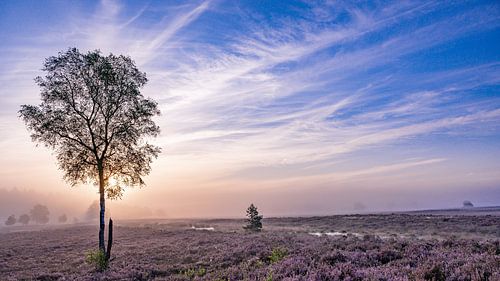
{"x":95,"y":118}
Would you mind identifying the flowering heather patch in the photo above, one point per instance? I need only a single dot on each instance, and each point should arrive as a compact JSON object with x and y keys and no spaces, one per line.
{"x":176,"y":252}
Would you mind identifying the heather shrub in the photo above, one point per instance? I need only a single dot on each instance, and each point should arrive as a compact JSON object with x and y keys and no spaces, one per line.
{"x":497,"y":247}
{"x":97,"y":258}
{"x":449,"y":242}
{"x":386,"y":256}
{"x":255,"y":262}
{"x":435,"y":274}
{"x":333,"y":258}
{"x":49,"y":277}
{"x":293,"y":267}
{"x":163,"y":253}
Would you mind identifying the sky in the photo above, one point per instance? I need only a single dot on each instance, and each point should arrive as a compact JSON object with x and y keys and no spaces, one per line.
{"x":303,"y":108}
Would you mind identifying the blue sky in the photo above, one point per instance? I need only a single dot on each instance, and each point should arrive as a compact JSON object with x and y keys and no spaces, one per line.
{"x":308,"y":107}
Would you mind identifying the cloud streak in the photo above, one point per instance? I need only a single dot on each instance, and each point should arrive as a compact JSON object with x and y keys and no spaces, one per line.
{"x":241,"y":92}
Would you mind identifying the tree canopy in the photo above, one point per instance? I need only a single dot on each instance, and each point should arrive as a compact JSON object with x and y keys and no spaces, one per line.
{"x":24,"y":219}
{"x":11,"y":220}
{"x":40,"y":214}
{"x":95,"y":118}
{"x":62,"y":218}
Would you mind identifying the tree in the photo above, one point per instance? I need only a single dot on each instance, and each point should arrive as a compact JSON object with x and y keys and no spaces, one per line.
{"x":254,"y":219}
{"x":92,"y":211}
{"x":24,"y":219}
{"x":62,"y":218}
{"x":95,"y":118}
{"x":468,"y":204}
{"x":10,"y":220}
{"x":40,"y":214}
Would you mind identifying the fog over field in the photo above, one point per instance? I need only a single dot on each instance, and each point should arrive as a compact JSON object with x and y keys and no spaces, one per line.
{"x":273,"y":203}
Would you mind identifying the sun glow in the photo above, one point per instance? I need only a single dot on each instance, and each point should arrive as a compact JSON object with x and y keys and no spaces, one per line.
{"x":112,"y":181}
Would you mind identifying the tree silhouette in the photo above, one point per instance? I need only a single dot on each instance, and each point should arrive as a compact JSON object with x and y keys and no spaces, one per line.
{"x":11,"y":220}
{"x":468,"y":204}
{"x":92,"y":212}
{"x":254,"y":219}
{"x":40,"y":214}
{"x":24,"y":219}
{"x":62,"y":219}
{"x":95,"y":118}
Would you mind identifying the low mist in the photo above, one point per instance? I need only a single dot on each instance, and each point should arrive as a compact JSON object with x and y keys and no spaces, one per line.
{"x":223,"y":203}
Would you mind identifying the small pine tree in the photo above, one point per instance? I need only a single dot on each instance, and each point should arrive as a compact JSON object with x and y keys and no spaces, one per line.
{"x":254,"y":219}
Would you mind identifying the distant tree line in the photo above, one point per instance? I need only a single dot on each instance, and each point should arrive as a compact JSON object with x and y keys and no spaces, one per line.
{"x":39,"y":214}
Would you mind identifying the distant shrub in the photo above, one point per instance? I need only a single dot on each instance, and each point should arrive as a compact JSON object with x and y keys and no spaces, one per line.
{"x":24,"y":219}
{"x":468,"y":204}
{"x":97,"y":258}
{"x":40,"y":214}
{"x":62,"y":218}
{"x":277,"y":254}
{"x":10,"y":220}
{"x":254,"y":219}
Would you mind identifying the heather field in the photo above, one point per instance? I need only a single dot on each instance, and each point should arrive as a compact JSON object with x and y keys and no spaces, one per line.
{"x":411,"y":246}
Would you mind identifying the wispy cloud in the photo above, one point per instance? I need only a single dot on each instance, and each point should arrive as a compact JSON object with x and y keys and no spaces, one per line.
{"x":241,"y":92}
{"x":231,"y":92}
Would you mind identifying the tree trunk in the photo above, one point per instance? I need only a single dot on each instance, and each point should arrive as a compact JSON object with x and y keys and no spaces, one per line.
{"x":102,"y":223}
